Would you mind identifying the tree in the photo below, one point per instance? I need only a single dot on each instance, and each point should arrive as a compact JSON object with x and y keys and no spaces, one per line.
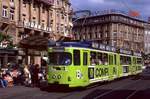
{"x":8,"y":38}
{"x":1,"y":37}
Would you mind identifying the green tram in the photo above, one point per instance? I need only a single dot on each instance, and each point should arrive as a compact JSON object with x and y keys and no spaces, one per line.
{"x":79,"y":64}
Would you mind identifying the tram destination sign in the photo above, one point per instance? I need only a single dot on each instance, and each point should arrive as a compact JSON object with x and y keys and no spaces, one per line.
{"x":103,"y":47}
{"x":58,"y":49}
{"x":123,"y":51}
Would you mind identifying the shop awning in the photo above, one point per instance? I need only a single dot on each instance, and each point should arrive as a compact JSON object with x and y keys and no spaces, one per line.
{"x":34,"y":42}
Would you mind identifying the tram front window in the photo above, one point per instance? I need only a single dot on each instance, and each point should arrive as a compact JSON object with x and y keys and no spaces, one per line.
{"x":60,"y":58}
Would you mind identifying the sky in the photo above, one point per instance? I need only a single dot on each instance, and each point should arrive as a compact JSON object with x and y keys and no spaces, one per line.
{"x":142,"y":6}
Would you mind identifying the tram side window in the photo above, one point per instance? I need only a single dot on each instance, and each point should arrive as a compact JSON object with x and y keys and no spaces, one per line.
{"x":93,"y":58}
{"x":76,"y":55}
{"x":128,"y":59}
{"x":134,"y":60}
{"x":110,"y":60}
{"x":99,"y":58}
{"x":105,"y":58}
{"x":85,"y":58}
{"x":115,"y":59}
{"x":123,"y":60}
{"x":139,"y":61}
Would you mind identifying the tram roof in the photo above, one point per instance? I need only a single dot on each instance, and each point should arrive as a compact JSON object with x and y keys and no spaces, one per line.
{"x":94,"y":45}
{"x":75,"y":44}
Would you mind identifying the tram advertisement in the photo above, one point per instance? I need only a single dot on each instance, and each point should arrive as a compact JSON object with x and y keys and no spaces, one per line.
{"x":98,"y":72}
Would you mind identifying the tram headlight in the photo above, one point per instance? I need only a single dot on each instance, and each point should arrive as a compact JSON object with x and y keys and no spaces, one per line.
{"x":78,"y":74}
{"x":54,"y":77}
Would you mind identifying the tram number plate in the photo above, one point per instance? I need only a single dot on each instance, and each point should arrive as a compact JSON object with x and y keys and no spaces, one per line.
{"x":91,"y":73}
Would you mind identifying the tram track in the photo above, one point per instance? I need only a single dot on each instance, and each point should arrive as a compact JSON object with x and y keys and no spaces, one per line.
{"x":128,"y":91}
{"x":130,"y":96}
{"x":109,"y":92}
{"x":99,"y":89}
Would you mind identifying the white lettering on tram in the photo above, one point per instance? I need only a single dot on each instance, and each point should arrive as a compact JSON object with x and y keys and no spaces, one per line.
{"x":78,"y":74}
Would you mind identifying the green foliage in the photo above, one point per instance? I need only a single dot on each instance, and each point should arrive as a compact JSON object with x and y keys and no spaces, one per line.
{"x":1,"y":37}
{"x":8,"y":38}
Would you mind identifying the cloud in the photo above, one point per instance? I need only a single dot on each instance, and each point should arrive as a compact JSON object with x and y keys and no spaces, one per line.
{"x":98,"y":5}
{"x":97,"y":1}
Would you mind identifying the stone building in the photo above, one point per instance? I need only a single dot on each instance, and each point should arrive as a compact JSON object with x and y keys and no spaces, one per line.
{"x":112,"y":28}
{"x":31,"y":23}
{"x":147,"y":39}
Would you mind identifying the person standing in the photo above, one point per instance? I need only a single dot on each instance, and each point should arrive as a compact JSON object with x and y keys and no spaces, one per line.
{"x":27,"y":76}
{"x":35,"y":76}
{"x":15,"y":75}
{"x":9,"y":79}
{"x":31,"y":69}
{"x":3,"y":82}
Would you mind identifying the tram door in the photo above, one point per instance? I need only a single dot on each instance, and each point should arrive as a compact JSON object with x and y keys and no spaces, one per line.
{"x":85,"y":63}
{"x":113,"y":67}
{"x":134,"y":65}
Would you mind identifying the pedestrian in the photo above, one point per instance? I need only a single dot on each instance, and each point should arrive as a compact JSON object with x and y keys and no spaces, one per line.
{"x":31,"y":69}
{"x":35,"y":80}
{"x":3,"y":82}
{"x":15,"y":75}
{"x":9,"y":79}
{"x":27,"y":76}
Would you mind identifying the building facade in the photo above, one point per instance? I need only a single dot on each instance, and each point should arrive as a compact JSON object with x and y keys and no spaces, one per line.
{"x":32,"y":19}
{"x":62,"y":18}
{"x":147,"y":39}
{"x":114,"y":29}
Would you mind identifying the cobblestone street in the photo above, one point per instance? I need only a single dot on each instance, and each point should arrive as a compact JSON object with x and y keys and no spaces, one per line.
{"x":126,"y":88}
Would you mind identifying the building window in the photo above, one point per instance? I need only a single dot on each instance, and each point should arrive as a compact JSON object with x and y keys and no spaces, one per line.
{"x":58,"y":2}
{"x":24,"y":4}
{"x":114,"y":34}
{"x":34,"y":7}
{"x":34,"y":22}
{"x":4,"y":12}
{"x":42,"y":25}
{"x":58,"y":27}
{"x":62,"y":16}
{"x":12,"y":15}
{"x":58,"y":14}
{"x":43,"y":10}
{"x":11,"y":0}
{"x":114,"y":43}
{"x":51,"y":14}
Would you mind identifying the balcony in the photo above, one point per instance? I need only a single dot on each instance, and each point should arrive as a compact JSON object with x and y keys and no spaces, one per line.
{"x":127,"y":38}
{"x":48,"y":2}
{"x":137,"y":39}
{"x":4,"y":20}
{"x":31,"y":25}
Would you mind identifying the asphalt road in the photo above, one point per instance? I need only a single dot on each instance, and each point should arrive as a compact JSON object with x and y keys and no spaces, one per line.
{"x":126,"y":88}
